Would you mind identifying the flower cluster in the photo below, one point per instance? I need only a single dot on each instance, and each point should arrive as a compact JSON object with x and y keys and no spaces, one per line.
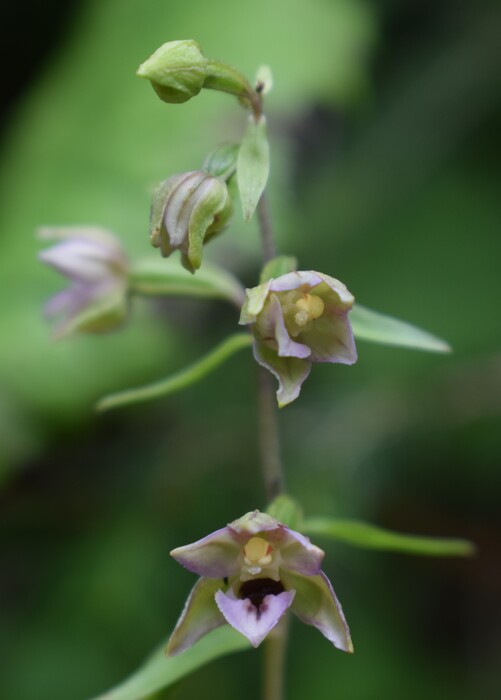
{"x":299,"y":318}
{"x":252,"y":572}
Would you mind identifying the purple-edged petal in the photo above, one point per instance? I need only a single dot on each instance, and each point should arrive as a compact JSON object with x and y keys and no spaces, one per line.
{"x":290,"y":372}
{"x":252,"y":523}
{"x":295,"y":280}
{"x":254,"y":623}
{"x":214,"y":556}
{"x":300,"y":555}
{"x":316,"y":604}
{"x":274,"y":320}
{"x":200,"y":615}
{"x":331,"y":340}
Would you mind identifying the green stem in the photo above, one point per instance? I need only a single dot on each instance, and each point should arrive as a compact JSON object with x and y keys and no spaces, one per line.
{"x":182,"y":379}
{"x":274,"y":480}
{"x":274,"y":661}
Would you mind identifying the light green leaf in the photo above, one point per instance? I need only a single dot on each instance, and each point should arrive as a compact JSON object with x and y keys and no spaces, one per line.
{"x":379,"y":328}
{"x":253,"y":165}
{"x":287,"y":511}
{"x":198,"y":370}
{"x":166,"y":277}
{"x":360,"y":534}
{"x":277,"y":267}
{"x":160,"y":672}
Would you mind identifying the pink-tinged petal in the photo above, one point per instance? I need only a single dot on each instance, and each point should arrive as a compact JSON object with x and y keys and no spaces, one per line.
{"x":330,"y":339}
{"x":300,"y":555}
{"x":316,"y":604}
{"x":200,"y":615}
{"x":252,"y":523}
{"x":295,"y":280}
{"x":290,"y":372}
{"x":274,"y":318}
{"x":79,"y":260}
{"x":214,"y":556}
{"x":344,"y":298}
{"x":251,"y":621}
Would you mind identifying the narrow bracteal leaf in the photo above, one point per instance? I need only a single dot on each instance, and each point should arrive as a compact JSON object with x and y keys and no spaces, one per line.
{"x":253,"y":165}
{"x":180,"y":380}
{"x":277,"y":267}
{"x":379,"y":328}
{"x":360,"y":534}
{"x":167,"y":277}
{"x":287,"y":511}
{"x":159,"y":672}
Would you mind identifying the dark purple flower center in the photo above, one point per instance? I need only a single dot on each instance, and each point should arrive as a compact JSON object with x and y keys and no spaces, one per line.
{"x":256,"y":589}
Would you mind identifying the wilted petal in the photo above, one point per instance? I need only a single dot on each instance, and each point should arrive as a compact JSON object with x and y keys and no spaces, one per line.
{"x":214,"y":556}
{"x":251,"y":621}
{"x":316,"y":604}
{"x":290,"y":371}
{"x":200,"y":615}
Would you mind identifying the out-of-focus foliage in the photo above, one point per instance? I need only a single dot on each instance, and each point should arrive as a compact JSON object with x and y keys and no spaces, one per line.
{"x":383,"y":124}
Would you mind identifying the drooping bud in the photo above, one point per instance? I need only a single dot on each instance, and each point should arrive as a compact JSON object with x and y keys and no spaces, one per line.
{"x":177,"y":71}
{"x":187,"y":211}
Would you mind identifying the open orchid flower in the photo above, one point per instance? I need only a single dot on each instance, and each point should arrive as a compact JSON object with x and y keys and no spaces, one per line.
{"x":94,"y":261}
{"x":297,"y":319}
{"x":252,"y":572}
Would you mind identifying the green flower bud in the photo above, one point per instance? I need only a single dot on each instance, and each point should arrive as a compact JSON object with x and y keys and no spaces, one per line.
{"x":187,"y":211}
{"x":177,"y":71}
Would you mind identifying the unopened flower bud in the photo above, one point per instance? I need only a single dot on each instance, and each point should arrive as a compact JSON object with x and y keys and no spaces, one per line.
{"x":177,"y":70}
{"x":188,"y":210}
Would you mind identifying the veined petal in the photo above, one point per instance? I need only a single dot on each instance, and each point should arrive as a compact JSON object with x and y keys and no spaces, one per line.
{"x":214,"y":556}
{"x":331,"y":340}
{"x":290,"y":371}
{"x":300,"y":555}
{"x":286,"y":346}
{"x":316,"y":604}
{"x":200,"y":615}
{"x":251,"y":621}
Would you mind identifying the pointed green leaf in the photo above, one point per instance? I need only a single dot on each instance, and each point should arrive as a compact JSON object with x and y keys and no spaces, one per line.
{"x":277,"y":267}
{"x":360,"y":534}
{"x":287,"y":511}
{"x":160,"y":672}
{"x":253,"y":165}
{"x":222,"y":161}
{"x":180,"y":380}
{"x":379,"y":328}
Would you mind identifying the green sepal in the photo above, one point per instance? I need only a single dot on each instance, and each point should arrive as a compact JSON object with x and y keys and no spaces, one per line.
{"x":226,"y":78}
{"x":222,"y":161}
{"x":380,"y":328}
{"x":159,"y":672}
{"x":100,"y":317}
{"x":253,"y":165}
{"x":360,"y":534}
{"x":287,"y":511}
{"x":276,"y":267}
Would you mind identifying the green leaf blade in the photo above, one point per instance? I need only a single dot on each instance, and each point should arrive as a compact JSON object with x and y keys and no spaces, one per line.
{"x":253,"y":166}
{"x":365,"y":535}
{"x":159,"y":672}
{"x":380,"y":328}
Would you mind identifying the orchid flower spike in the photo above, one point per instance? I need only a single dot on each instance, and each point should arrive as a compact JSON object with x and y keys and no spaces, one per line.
{"x":297,"y":319}
{"x":252,"y":572}
{"x":94,"y":261}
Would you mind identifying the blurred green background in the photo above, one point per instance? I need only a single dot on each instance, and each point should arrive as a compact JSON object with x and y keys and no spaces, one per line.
{"x":386,"y":148}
